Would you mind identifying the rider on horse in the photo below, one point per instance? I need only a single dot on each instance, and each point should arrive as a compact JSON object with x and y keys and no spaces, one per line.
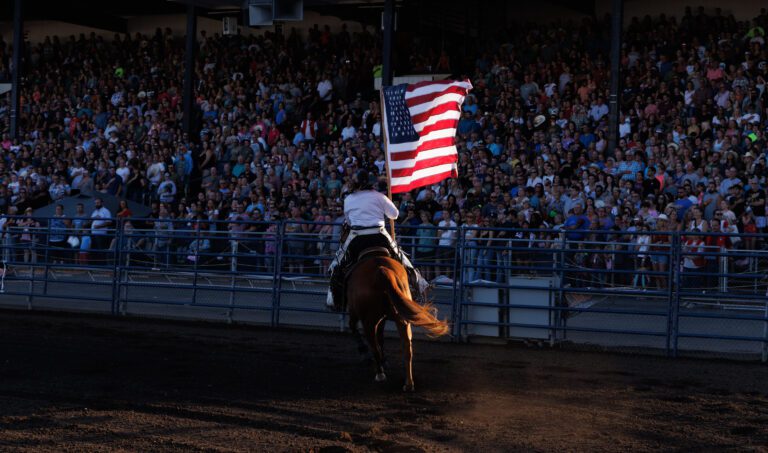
{"x":365,"y":212}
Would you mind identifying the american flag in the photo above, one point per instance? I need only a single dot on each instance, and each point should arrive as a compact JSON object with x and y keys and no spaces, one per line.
{"x":420,"y":121}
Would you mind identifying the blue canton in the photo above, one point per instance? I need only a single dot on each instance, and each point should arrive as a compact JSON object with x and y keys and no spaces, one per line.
{"x":399,"y":122}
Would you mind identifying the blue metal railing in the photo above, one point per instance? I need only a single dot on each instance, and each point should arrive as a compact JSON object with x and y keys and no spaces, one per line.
{"x":599,"y":291}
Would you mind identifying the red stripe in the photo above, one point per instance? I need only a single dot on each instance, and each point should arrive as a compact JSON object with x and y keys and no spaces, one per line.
{"x":429,"y":97}
{"x":424,"y":181}
{"x":422,"y":164}
{"x":424,"y":83}
{"x":426,"y":146}
{"x":436,"y":110}
{"x":442,"y":124}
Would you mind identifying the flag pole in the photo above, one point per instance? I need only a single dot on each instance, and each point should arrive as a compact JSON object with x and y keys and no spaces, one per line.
{"x":387,"y":167}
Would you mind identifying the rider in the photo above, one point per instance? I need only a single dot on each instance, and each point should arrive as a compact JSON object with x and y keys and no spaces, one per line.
{"x":365,"y":212}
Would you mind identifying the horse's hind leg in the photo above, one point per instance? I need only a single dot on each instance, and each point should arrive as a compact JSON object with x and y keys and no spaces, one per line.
{"x":373,"y":341}
{"x":380,"y":340}
{"x":362,"y":348}
{"x":406,"y":337}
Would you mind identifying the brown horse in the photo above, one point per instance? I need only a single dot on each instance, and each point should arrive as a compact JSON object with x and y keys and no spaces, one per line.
{"x":377,"y":290}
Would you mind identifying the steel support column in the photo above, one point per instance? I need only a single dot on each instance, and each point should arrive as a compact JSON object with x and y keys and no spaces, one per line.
{"x":389,"y":30}
{"x":18,"y":46}
{"x":617,"y":17}
{"x":189,"y":70}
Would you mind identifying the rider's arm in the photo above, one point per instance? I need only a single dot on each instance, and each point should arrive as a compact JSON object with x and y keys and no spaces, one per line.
{"x":389,"y":208}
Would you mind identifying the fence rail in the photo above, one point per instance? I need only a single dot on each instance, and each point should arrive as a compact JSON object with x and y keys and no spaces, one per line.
{"x":678,"y":293}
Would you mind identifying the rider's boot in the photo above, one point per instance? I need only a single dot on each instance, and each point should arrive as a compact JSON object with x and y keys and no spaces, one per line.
{"x":334,"y":300}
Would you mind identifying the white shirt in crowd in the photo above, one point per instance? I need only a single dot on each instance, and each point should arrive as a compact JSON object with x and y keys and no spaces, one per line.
{"x":368,"y":208}
{"x":155,"y":172}
{"x":348,"y":133}
{"x":625,"y":129}
{"x":96,"y":225}
{"x":324,"y":88}
{"x":124,"y":173}
{"x":447,"y":237}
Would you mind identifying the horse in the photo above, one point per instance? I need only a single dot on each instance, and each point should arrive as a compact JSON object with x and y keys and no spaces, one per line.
{"x":377,"y":290}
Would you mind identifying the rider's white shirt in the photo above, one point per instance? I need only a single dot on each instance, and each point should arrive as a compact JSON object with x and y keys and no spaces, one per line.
{"x":368,"y":208}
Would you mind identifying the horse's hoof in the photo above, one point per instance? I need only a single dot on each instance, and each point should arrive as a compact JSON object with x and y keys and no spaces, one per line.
{"x":380,"y":377}
{"x":409,"y":388}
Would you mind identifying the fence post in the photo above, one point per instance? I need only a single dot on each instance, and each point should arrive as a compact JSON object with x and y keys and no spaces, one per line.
{"x":765,"y":327}
{"x":195,"y":263}
{"x":723,"y":269}
{"x":562,"y":320}
{"x":31,"y":294}
{"x":458,"y":286}
{"x":116,"y":267}
{"x":45,"y":257}
{"x":232,"y":279}
{"x":277,"y":274}
{"x":671,"y":266}
{"x":5,"y":243}
{"x":675,"y":263}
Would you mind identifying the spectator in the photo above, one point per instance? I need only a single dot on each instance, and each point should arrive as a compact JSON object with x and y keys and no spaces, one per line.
{"x":426,"y":244}
{"x":642,"y":260}
{"x":30,"y":232}
{"x":447,"y":242}
{"x":163,"y":231}
{"x":660,"y":248}
{"x":57,"y":236}
{"x":100,"y":224}
{"x":694,"y":260}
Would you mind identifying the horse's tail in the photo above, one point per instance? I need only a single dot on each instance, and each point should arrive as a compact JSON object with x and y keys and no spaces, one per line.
{"x":410,"y":311}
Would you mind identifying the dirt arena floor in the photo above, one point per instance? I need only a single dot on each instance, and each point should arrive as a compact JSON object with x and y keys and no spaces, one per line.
{"x":73,"y":383}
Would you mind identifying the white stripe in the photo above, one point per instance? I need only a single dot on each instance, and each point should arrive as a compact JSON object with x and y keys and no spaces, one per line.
{"x":449,"y":115}
{"x":437,"y":152}
{"x":433,"y":135}
{"x":433,"y":88}
{"x":423,"y":173}
{"x":453,"y":98}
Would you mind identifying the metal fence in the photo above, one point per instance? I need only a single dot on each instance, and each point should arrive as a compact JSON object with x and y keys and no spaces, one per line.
{"x":675,"y":293}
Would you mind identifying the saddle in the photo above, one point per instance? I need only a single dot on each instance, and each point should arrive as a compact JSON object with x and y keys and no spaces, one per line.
{"x":369,"y":252}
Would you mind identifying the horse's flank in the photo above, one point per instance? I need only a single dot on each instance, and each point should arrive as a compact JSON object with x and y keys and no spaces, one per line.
{"x":382,"y":276}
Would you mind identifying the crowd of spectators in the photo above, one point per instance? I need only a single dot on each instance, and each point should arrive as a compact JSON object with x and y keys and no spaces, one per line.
{"x":285,"y":121}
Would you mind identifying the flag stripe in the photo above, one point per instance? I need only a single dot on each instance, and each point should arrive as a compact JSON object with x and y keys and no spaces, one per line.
{"x":439,"y":134}
{"x":439,"y":100}
{"x":429,"y":97}
{"x":442,"y":143}
{"x":435,"y":110}
{"x":424,"y":180}
{"x":423,"y":173}
{"x":423,"y":164}
{"x":433,"y":121}
{"x":430,"y":84}
{"x":427,"y":154}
